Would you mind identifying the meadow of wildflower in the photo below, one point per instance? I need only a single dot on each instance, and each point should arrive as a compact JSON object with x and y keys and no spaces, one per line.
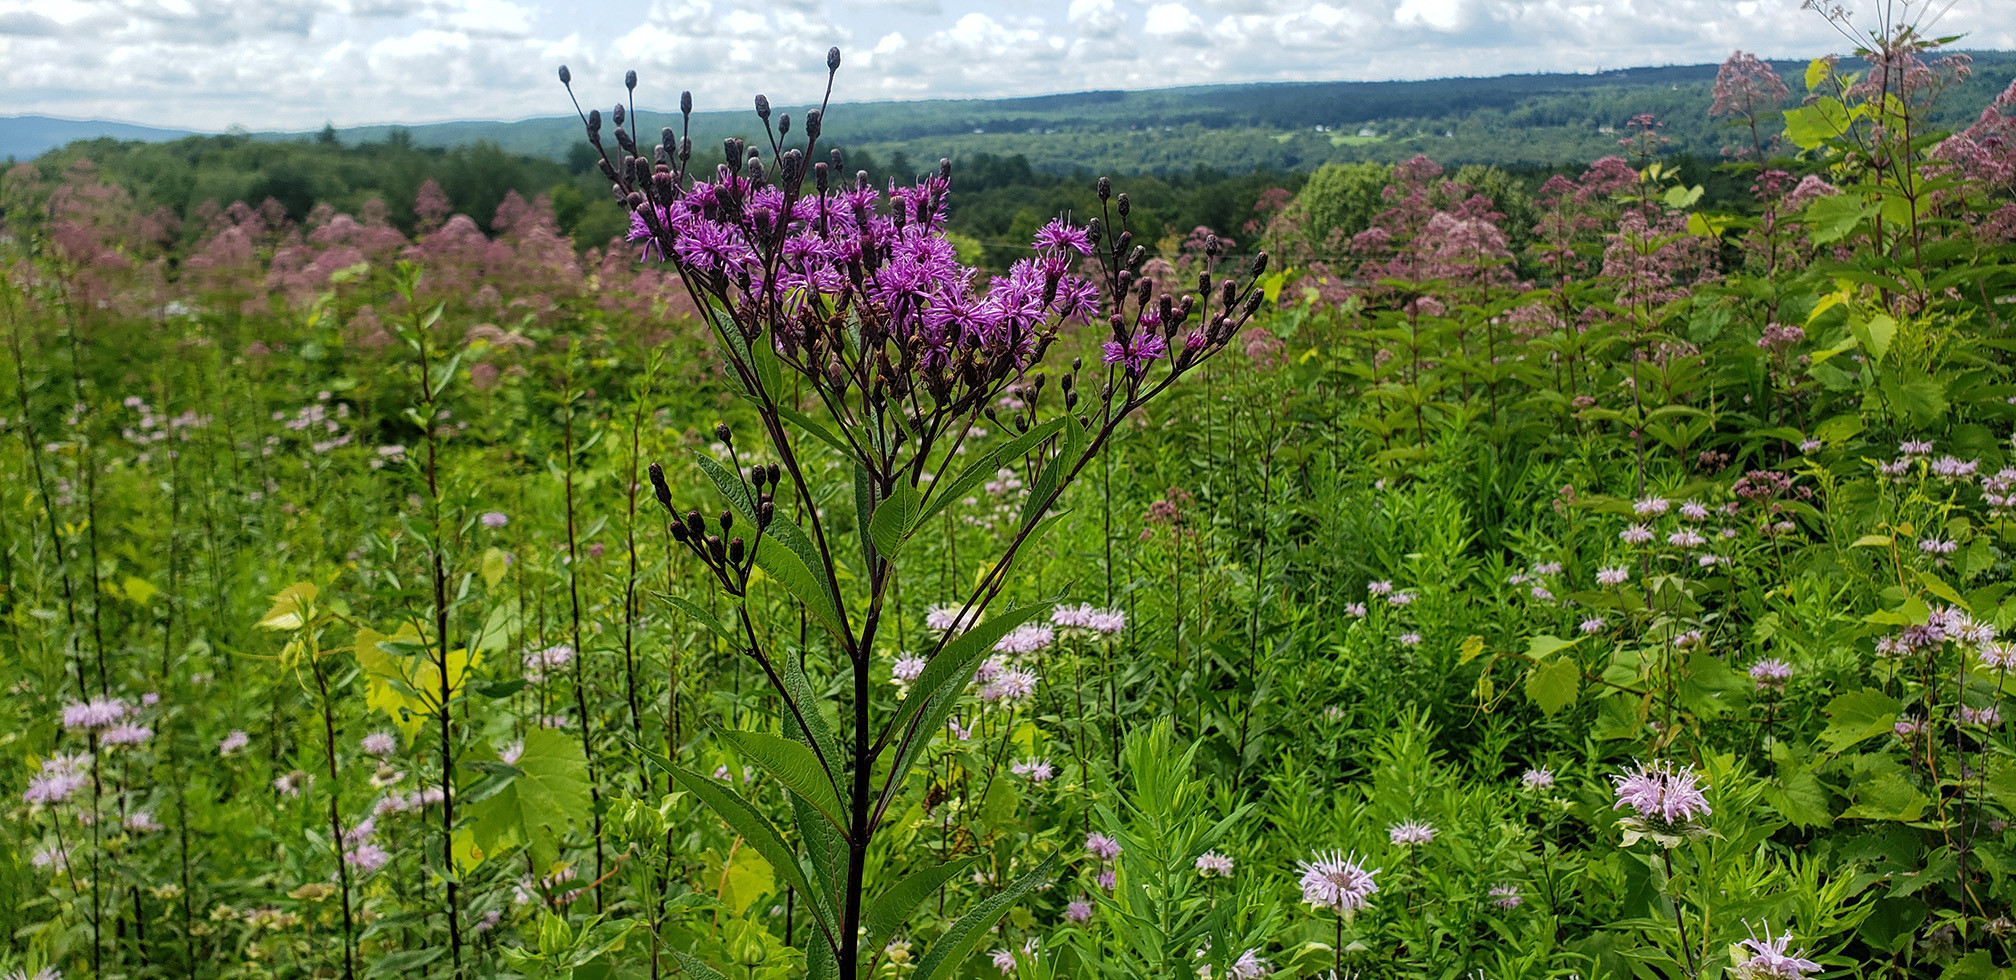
{"x":768,"y":594}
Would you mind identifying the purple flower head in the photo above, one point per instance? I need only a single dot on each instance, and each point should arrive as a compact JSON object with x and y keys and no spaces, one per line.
{"x":1651,"y":506}
{"x":1664,"y":798}
{"x":1617,"y":575}
{"x":1505,"y":896}
{"x":1771,"y":959}
{"x":126,"y":734}
{"x":233,"y":742}
{"x":61,"y":777}
{"x":1336,"y":882}
{"x":1771,"y":674}
{"x":1635,"y":534}
{"x":1027,"y":638}
{"x":1078,"y":910}
{"x":1038,"y":770}
{"x":1541,"y":778}
{"x":908,"y":668}
{"x":495,"y":519}
{"x":946,"y":617}
{"x":380,"y":744}
{"x":366,"y":857}
{"x":1101,"y":846}
{"x":1410,"y":833}
{"x":1212,"y":864}
{"x":1060,"y":235}
{"x":1107,"y":879}
{"x":1136,"y":352}
{"x":96,"y":714}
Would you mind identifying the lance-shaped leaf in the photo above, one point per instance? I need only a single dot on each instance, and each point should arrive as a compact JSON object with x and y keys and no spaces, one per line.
{"x":1069,"y":451}
{"x":885,"y":913}
{"x":794,"y":765}
{"x":695,"y":965}
{"x":699,"y":615}
{"x":784,"y":551}
{"x":956,"y":662}
{"x":895,"y":518}
{"x":825,"y":845}
{"x":962,"y":936}
{"x":744,"y":819}
{"x":989,"y":463}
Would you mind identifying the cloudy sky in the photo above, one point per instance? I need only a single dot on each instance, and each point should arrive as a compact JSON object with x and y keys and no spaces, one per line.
{"x":294,"y":64}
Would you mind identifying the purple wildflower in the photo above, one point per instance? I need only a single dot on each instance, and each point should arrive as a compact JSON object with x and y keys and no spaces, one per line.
{"x":1336,"y":882}
{"x":1101,"y":846}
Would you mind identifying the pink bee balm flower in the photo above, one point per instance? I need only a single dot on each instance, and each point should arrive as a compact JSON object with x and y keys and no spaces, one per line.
{"x":1770,"y":959}
{"x":233,"y":742}
{"x":1662,"y":794}
{"x":1212,"y":864}
{"x":1336,"y":882}
{"x":1542,"y":778}
{"x":1410,"y":833}
{"x":1101,"y":846}
{"x":1505,"y":896}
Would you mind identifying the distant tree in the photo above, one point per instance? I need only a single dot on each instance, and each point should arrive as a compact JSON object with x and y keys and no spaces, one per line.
{"x":328,"y":135}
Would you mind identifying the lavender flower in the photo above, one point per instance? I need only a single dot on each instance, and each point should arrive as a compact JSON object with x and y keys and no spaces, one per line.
{"x":1011,"y":686}
{"x":1212,"y":864}
{"x":366,"y":857}
{"x":126,"y":734}
{"x":141,"y":822}
{"x":233,"y":742}
{"x":512,"y":753}
{"x":1693,"y":511}
{"x":1410,"y":639}
{"x":1336,"y":882}
{"x":292,"y":783}
{"x":61,"y":777}
{"x":1249,"y":966}
{"x":1770,"y":960}
{"x":1651,"y":506}
{"x":96,"y":714}
{"x":380,"y":744}
{"x":1770,"y":674}
{"x":1541,"y":778}
{"x":1594,"y":624}
{"x":1027,"y":638}
{"x":1912,"y":447}
{"x":1613,"y":576}
{"x":1410,"y":833}
{"x":1635,"y":534}
{"x":946,"y":617}
{"x":494,"y":519}
{"x":1505,"y":896}
{"x":1078,"y":910}
{"x":1038,"y":770}
{"x":1101,"y":846}
{"x":1107,"y":879}
{"x":908,"y":668}
{"x":1987,"y":717}
{"x":1665,"y":801}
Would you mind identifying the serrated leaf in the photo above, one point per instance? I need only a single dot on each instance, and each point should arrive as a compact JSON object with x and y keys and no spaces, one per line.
{"x":1832,"y":218}
{"x":549,"y":794}
{"x":703,"y":617}
{"x":883,"y":917}
{"x":795,"y":766}
{"x":1937,"y":586}
{"x":755,"y":828}
{"x":1553,"y":685}
{"x":1858,"y":715}
{"x":895,"y":518}
{"x":961,"y":937}
{"x":1472,"y":647}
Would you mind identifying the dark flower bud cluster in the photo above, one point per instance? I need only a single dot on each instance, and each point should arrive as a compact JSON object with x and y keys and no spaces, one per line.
{"x":727,"y":554}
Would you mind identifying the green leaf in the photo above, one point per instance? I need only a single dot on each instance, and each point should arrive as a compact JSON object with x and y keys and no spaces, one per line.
{"x":1542,"y":646}
{"x":755,"y":828}
{"x":139,"y":590}
{"x":885,"y":913}
{"x":550,"y":792}
{"x":795,"y":766}
{"x":1553,"y":686}
{"x":1799,"y":798}
{"x":495,"y":565}
{"x":694,"y":965}
{"x":1816,"y":72}
{"x":1875,"y":334}
{"x":895,"y":518}
{"x":1937,"y":586}
{"x":1857,"y":716}
{"x":806,"y":583}
{"x":1809,"y":126}
{"x":1067,"y":454}
{"x":989,"y":463}
{"x":703,"y":617}
{"x":1833,"y":217}
{"x":954,"y":664}
{"x":960,"y":938}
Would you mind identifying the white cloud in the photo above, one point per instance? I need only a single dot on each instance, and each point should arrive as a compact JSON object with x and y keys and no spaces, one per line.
{"x":294,"y":63}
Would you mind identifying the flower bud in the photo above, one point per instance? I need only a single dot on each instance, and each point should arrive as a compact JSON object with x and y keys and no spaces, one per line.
{"x":944,"y":168}
{"x":776,"y":474}
{"x":694,"y":528}
{"x":722,"y":432}
{"x":678,"y":531}
{"x":616,"y":114}
{"x":784,"y":124}
{"x":736,"y":549}
{"x":813,"y":120}
{"x":715,"y":549}
{"x":566,"y":77}
{"x":832,"y":59}
{"x":659,"y":488}
{"x":763,"y":108}
{"x":1259,"y":264}
{"x":819,"y":171}
{"x":727,"y":519}
{"x":685,"y":103}
{"x":594,"y":124}
{"x":767,"y":513}
{"x":1231,"y":293}
{"x":1105,"y":186}
{"x":1125,"y":205}
{"x":630,"y":79}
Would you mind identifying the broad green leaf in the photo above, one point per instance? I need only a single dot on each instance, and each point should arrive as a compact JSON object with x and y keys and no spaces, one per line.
{"x":795,"y":766}
{"x":1816,"y":72}
{"x":549,"y":795}
{"x":291,"y":607}
{"x":895,"y":518}
{"x":1874,"y":334}
{"x":495,"y":565}
{"x":745,"y":877}
{"x":1542,"y":646}
{"x":1857,"y":716}
{"x":961,"y":937}
{"x":1799,"y":798}
{"x":1472,"y":648}
{"x":1809,"y":126}
{"x":1937,"y":586}
{"x":1833,"y":217}
{"x":1872,"y":541}
{"x":1553,"y":685}
{"x":885,"y":913}
{"x":1070,"y":449}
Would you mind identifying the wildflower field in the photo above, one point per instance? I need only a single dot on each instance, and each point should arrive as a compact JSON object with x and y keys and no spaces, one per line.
{"x":1616,"y":592}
